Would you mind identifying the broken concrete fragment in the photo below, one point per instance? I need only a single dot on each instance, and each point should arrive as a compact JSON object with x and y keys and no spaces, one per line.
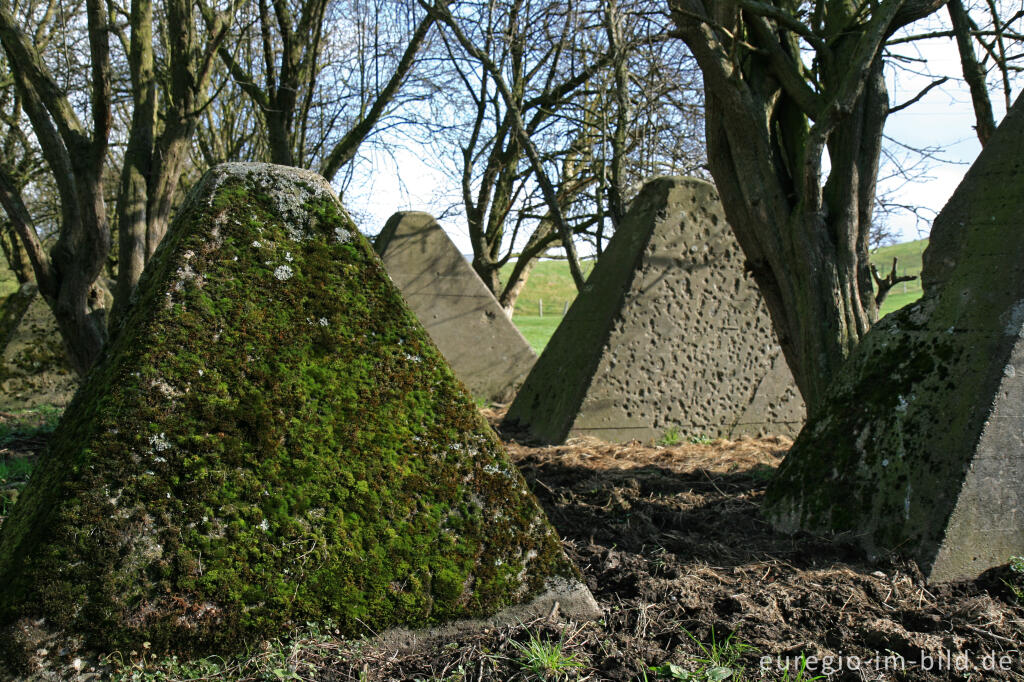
{"x":483,"y":347}
{"x":669,"y":335}
{"x":271,"y":439}
{"x":919,"y":448}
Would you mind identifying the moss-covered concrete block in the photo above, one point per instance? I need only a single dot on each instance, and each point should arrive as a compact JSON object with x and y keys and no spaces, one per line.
{"x":34,"y":369}
{"x":920,"y":446}
{"x":669,"y":334}
{"x":270,"y":439}
{"x":480,"y":343}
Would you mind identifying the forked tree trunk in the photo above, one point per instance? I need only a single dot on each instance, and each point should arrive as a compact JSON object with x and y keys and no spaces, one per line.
{"x":67,"y":276}
{"x":806,"y":243}
{"x":154,"y":162}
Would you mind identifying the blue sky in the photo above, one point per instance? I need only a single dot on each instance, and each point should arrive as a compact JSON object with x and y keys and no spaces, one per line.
{"x":942,"y":121}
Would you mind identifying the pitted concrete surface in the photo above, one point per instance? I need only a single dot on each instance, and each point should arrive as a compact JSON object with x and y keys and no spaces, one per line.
{"x":669,"y":335}
{"x":920,"y":446}
{"x":34,"y":369}
{"x":483,"y":347}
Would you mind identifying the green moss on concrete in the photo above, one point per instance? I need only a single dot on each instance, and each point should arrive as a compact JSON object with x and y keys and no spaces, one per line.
{"x":918,"y":447}
{"x":270,"y":439}
{"x":877,"y":481}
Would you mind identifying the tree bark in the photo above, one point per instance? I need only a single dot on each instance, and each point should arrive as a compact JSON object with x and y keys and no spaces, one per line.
{"x":133,"y":197}
{"x":769,"y":121}
{"x":76,"y":157}
{"x":14,"y":254}
{"x":155,"y":155}
{"x":974,"y":72}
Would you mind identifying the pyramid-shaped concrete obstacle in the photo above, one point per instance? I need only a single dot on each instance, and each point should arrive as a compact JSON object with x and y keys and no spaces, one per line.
{"x":34,"y":369}
{"x":669,"y":334}
{"x":920,"y":446}
{"x":271,"y":439}
{"x":483,"y":347}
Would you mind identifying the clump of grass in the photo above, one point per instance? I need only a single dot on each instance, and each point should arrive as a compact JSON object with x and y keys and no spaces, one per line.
{"x":15,"y":470}
{"x":672,"y":437}
{"x":719,"y":660}
{"x":545,"y":659}
{"x":14,"y":474}
{"x":723,"y":660}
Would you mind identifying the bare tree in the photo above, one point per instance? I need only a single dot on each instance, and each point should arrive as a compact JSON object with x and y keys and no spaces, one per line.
{"x":316,"y":112}
{"x":167,"y":98}
{"x":770,"y":119}
{"x":566,"y":110}
{"x":75,"y":153}
{"x":511,"y":92}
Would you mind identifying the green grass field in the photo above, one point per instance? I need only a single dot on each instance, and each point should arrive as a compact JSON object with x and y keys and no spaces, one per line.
{"x":908,"y":257}
{"x":551,"y":283}
{"x":537,"y":330}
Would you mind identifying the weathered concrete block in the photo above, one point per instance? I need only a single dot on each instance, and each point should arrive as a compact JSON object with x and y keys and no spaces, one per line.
{"x":34,"y":369}
{"x":271,"y":439}
{"x":483,"y":347}
{"x":920,"y":447}
{"x":669,"y":333}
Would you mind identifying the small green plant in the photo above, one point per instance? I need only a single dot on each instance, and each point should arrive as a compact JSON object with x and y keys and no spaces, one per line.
{"x":14,"y":474}
{"x":719,"y":660}
{"x":546,"y":660}
{"x":1016,"y":583}
{"x":15,"y":469}
{"x":672,"y":437}
{"x":701,"y":439}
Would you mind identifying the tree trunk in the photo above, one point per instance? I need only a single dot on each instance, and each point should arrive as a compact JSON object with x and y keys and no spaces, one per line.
{"x":133,"y":198}
{"x":515,"y":284}
{"x":153,"y":163}
{"x":814,"y":274}
{"x":79,"y":304}
{"x":974,"y":72}
{"x":806,"y":244}
{"x":14,"y":253}
{"x":489,"y":273}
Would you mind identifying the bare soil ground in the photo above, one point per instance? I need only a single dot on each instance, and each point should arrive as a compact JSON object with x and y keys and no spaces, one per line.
{"x":671,"y":542}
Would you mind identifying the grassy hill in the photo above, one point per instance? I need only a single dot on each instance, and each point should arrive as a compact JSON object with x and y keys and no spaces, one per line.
{"x":908,"y":257}
{"x":551,"y":284}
